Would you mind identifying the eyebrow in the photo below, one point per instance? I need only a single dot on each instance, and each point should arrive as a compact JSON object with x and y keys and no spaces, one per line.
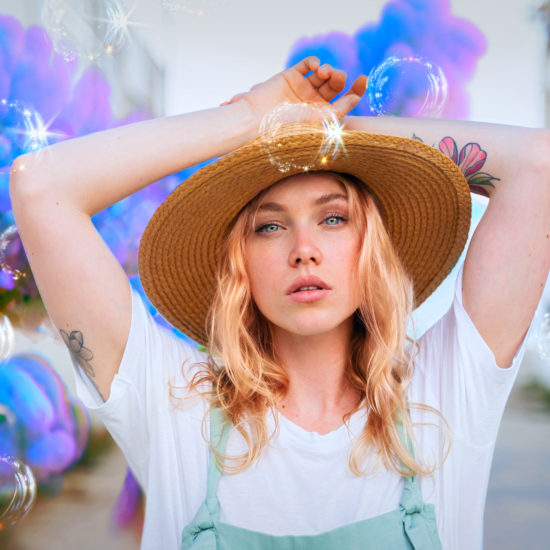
{"x":323,"y":199}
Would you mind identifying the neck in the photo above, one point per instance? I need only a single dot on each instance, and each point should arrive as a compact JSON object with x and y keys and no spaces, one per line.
{"x":319,"y":393}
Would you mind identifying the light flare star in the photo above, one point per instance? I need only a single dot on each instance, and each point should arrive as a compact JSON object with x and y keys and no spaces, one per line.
{"x":117,"y":21}
{"x":333,"y":143}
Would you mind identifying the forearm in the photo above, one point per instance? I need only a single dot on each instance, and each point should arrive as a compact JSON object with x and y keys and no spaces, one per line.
{"x":94,"y":171}
{"x":489,"y":155}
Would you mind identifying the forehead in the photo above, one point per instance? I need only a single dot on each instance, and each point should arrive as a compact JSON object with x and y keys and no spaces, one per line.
{"x":303,"y":187}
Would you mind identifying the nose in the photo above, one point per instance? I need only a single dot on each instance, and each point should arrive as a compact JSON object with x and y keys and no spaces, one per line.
{"x":304,"y":250}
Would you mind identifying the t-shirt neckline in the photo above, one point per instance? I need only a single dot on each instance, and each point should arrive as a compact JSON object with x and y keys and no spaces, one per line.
{"x":292,"y":433}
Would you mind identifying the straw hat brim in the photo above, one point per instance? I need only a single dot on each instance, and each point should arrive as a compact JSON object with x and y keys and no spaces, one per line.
{"x":423,"y":197}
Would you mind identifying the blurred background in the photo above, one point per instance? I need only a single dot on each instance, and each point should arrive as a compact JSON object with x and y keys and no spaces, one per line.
{"x":71,"y":67}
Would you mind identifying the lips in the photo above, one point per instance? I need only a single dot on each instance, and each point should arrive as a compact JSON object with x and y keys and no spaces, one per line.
{"x":307,"y":281}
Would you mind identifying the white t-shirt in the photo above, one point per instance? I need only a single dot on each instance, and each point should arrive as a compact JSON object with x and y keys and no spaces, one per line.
{"x":302,"y":485}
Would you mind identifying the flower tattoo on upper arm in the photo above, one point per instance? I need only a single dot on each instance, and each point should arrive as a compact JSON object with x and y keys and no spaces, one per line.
{"x":470,"y":160}
{"x":80,"y":354}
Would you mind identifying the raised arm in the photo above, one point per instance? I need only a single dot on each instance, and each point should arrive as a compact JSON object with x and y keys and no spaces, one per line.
{"x":509,"y":256}
{"x":57,"y":190}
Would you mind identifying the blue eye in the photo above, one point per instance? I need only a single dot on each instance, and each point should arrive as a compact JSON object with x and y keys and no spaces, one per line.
{"x":268,"y":228}
{"x":334,"y":220}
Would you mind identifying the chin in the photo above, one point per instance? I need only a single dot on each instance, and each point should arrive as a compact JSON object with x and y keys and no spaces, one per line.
{"x":312,"y":327}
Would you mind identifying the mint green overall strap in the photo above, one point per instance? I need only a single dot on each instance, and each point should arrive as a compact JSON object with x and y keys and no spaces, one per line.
{"x":418,"y":517}
{"x":419,"y":520}
{"x":201,"y":533}
{"x":219,"y":434}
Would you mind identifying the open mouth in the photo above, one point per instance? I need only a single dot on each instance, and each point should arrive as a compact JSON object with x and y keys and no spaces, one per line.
{"x":308,"y":294}
{"x":307,"y":288}
{"x":308,"y":283}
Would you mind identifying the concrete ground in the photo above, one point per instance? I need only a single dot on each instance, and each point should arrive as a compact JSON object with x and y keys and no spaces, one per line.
{"x":517,"y":515}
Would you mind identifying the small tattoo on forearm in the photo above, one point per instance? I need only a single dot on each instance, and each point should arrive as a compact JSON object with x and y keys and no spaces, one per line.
{"x":470,"y":160}
{"x":80,"y":354}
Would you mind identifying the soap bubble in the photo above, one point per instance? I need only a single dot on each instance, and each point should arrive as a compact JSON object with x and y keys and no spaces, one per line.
{"x":9,"y":434}
{"x":194,"y":7}
{"x":543,"y":338}
{"x":10,"y":248}
{"x":86,"y":29}
{"x":22,"y":131}
{"x":7,"y":337}
{"x":407,"y":86}
{"x":285,"y":119}
{"x":17,"y":490}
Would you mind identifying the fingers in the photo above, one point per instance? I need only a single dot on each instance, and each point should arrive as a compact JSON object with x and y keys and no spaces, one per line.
{"x":308,"y":64}
{"x":359,"y":87}
{"x":309,"y":81}
{"x":351,"y":98}
{"x":320,"y":76}
{"x":333,"y":85}
{"x":329,"y":82}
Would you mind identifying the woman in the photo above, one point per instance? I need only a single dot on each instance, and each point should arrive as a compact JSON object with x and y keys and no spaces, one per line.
{"x":309,"y":272}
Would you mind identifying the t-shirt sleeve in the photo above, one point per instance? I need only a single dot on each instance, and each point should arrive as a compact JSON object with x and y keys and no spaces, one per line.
{"x":155,"y":362}
{"x":456,"y":372}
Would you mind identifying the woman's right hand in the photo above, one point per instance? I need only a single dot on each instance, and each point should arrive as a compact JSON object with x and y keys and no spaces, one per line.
{"x":293,"y":86}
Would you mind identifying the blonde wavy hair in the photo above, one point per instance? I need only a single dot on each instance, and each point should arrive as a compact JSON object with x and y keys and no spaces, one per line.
{"x":246,"y":380}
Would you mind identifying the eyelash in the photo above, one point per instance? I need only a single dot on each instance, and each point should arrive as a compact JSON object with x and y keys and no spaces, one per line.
{"x":331,"y":215}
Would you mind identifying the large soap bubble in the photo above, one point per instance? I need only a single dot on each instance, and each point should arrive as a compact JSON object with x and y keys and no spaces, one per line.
{"x":17,"y":490}
{"x":9,"y":436}
{"x":86,"y":29}
{"x":7,"y":337}
{"x":10,"y":248}
{"x":407,"y":86}
{"x":285,"y":119}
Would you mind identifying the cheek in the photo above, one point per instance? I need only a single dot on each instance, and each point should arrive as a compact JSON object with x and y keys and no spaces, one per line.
{"x":346,"y":253}
{"x":261,"y":269}
{"x":347,"y":258}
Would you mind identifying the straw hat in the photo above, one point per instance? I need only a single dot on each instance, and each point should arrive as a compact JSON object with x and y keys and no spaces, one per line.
{"x":423,"y":196}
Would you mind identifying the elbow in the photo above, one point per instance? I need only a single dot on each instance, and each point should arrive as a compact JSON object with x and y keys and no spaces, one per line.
{"x":23,"y":184}
{"x":539,"y":152}
{"x":534,"y":163}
